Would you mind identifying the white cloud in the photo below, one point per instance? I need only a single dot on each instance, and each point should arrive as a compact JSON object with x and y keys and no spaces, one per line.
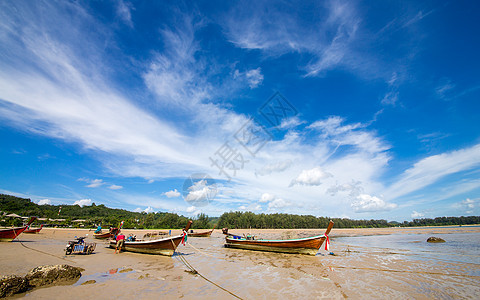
{"x":311,"y":177}
{"x":124,"y":12}
{"x":274,"y":167}
{"x":468,"y":205}
{"x":172,"y":194}
{"x":55,"y":85}
{"x":276,"y":31}
{"x":254,"y":77}
{"x":266,"y":197}
{"x":83,"y":202}
{"x":417,"y":215}
{"x":278,"y":203}
{"x":149,"y":210}
{"x":291,"y":123}
{"x":115,"y":187}
{"x":96,"y":183}
{"x":356,"y":135}
{"x":200,"y":193}
{"x":367,"y":203}
{"x":354,"y":189}
{"x":191,"y":209}
{"x":390,"y":98}
{"x":430,"y":169}
{"x":44,"y":201}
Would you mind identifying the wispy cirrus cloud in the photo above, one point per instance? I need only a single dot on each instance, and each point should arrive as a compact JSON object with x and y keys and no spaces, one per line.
{"x":275,"y":32}
{"x":430,"y":169}
{"x":124,"y":12}
{"x":59,"y":92}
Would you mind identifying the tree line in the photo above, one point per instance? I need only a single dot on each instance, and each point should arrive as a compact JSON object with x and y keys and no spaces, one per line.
{"x":100,"y":214}
{"x":288,"y":221}
{"x":96,"y":214}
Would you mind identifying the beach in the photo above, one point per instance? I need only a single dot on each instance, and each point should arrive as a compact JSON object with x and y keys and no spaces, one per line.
{"x":360,"y":269}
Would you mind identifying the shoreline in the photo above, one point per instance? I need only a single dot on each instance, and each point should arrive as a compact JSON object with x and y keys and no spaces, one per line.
{"x":361,"y":272}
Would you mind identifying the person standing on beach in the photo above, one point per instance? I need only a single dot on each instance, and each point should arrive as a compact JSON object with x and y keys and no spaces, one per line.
{"x":120,"y":241}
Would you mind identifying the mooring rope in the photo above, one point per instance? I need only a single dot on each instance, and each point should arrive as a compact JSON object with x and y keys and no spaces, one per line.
{"x":43,"y":252}
{"x":194,"y":271}
{"x":404,"y":271}
{"x":206,"y":254}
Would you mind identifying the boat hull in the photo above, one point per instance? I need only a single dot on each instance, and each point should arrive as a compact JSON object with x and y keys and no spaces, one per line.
{"x":9,"y":234}
{"x":35,"y":230}
{"x":102,"y":236}
{"x":165,"y":246}
{"x":308,"y":246}
{"x":200,"y":234}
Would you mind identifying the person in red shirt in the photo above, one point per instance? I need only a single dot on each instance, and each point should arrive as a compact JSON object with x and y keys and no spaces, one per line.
{"x":120,"y":241}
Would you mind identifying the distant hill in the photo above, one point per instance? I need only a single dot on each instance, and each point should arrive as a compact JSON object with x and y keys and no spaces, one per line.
{"x":96,"y":214}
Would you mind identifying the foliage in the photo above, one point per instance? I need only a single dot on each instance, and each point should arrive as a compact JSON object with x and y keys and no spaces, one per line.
{"x":239,"y":219}
{"x":94,"y":214}
{"x":100,"y":214}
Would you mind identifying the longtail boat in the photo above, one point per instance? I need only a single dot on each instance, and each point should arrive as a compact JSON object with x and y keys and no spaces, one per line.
{"x":106,"y":235}
{"x":33,"y":230}
{"x":202,"y":234}
{"x":162,"y":246}
{"x":308,"y":245}
{"x":9,"y":234}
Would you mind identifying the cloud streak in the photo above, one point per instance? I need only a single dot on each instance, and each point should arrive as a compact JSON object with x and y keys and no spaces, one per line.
{"x":430,"y":169}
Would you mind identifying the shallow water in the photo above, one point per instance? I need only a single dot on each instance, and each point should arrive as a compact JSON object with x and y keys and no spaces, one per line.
{"x":459,"y":247}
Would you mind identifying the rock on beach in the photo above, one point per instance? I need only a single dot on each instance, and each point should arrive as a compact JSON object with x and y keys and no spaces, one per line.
{"x":45,"y":275}
{"x":39,"y":276}
{"x":433,"y":239}
{"x":10,"y":285}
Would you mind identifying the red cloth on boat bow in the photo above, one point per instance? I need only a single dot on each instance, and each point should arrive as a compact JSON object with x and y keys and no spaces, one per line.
{"x":327,"y":243}
{"x":184,"y":237}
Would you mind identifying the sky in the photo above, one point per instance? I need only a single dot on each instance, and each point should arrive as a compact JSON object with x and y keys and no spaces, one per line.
{"x":351,"y":109}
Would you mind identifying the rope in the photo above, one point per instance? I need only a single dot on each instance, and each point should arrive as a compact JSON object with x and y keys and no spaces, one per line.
{"x":194,"y":271}
{"x":404,"y":271}
{"x":21,"y":243}
{"x":206,"y":254}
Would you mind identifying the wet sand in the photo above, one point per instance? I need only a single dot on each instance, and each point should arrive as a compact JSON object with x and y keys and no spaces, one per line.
{"x":354,"y":272}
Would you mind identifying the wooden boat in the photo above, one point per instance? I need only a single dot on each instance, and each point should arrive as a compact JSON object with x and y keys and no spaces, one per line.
{"x":9,"y":234}
{"x":162,"y":246}
{"x":202,"y":234}
{"x":33,"y":230}
{"x":309,"y":245}
{"x":106,"y":235}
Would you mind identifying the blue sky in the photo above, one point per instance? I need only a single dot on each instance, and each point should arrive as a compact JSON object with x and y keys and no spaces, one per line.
{"x":331,"y":108}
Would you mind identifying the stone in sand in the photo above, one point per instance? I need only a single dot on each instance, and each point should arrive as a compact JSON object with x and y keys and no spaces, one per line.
{"x":10,"y":285}
{"x":126,"y":270}
{"x":45,"y":275}
{"x":433,"y":239}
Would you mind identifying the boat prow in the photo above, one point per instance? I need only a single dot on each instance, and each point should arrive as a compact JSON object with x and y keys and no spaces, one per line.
{"x":9,"y":234}
{"x":33,"y":230}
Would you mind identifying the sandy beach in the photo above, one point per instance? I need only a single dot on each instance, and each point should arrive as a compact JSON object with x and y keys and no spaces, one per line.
{"x":353,"y":272}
